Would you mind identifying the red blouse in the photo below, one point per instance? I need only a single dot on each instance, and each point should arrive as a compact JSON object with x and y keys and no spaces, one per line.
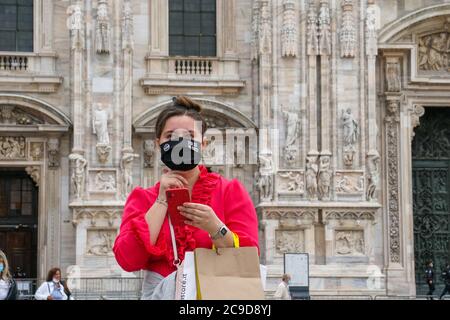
{"x":229,"y":200}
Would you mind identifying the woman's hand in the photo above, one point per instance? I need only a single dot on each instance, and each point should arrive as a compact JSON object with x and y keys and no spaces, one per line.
{"x":170,"y":179}
{"x":49,"y":298}
{"x":201,"y":216}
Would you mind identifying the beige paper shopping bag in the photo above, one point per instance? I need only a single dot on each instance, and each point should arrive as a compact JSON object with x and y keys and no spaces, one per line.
{"x":228,"y":274}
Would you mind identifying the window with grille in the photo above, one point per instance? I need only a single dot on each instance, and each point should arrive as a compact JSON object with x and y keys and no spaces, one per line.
{"x":16,"y":25}
{"x":192,"y":28}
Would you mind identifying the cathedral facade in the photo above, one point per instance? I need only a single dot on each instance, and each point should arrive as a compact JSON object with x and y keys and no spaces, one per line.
{"x":341,"y":106}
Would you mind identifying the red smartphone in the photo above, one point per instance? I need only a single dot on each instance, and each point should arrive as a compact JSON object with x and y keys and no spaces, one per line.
{"x":175,"y":198}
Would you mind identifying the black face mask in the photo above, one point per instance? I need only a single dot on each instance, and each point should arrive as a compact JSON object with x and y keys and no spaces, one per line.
{"x":182,"y":154}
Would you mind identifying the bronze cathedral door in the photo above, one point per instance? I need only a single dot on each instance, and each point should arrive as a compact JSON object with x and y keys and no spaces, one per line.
{"x":431,"y":194}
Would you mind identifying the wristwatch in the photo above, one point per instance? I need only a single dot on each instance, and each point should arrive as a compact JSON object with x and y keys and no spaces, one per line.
{"x":223,"y":230}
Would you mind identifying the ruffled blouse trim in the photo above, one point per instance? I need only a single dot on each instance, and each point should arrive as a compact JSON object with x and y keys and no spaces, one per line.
{"x":201,"y":193}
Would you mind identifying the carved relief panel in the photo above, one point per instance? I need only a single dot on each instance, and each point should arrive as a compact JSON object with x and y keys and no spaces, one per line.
{"x":349,"y":242}
{"x":100,"y":242}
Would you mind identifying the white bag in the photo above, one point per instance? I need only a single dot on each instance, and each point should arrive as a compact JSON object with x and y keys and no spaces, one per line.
{"x":186,"y":280}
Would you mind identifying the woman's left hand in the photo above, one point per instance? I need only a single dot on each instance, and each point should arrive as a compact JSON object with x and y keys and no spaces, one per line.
{"x":200,"y":216}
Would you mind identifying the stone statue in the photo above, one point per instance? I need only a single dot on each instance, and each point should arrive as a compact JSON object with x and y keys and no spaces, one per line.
{"x":102,"y":31}
{"x":350,"y":127}
{"x":292,"y":126}
{"x":100,"y":125}
{"x":373,"y":177}
{"x":78,"y":175}
{"x":324,"y":29}
{"x":209,"y":153}
{"x":324,"y":182}
{"x":264,"y":182}
{"x":393,"y":76}
{"x":149,"y":151}
{"x":126,"y":164}
{"x":127,"y":26}
{"x":75,"y":23}
{"x":53,"y":152}
{"x":311,"y":177}
{"x":312,"y":35}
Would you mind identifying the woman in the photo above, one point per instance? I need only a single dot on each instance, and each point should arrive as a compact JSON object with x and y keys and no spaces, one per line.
{"x":52,"y":289}
{"x":8,"y":287}
{"x":220,"y":211}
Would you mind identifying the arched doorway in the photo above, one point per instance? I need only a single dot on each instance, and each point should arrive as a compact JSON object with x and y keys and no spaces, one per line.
{"x":18,"y":220}
{"x":431,"y":193}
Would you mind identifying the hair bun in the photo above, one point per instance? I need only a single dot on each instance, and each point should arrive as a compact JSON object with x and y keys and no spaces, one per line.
{"x":185,"y":102}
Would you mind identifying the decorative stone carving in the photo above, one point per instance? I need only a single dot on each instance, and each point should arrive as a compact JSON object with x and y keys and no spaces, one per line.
{"x":393,"y":82}
{"x":417,"y":112}
{"x":312,"y":37}
{"x":350,"y":136}
{"x":349,"y":242}
{"x":373,"y":176}
{"x":105,"y":182}
{"x":100,"y":242}
{"x":311,"y":177}
{"x":103,"y":152}
{"x":53,"y":152}
{"x":78,"y":174}
{"x":348,"y":30}
{"x":75,"y":23}
{"x":324,"y":178}
{"x":349,"y":182}
{"x":102,"y":28}
{"x":371,"y":30}
{"x":35,"y":173}
{"x":289,"y":31}
{"x":149,"y":151}
{"x":433,"y":52}
{"x":255,"y":30}
{"x":12,"y":148}
{"x":291,"y":182}
{"x":349,"y":215}
{"x":36,"y":151}
{"x":96,"y":215}
{"x":392,"y":141}
{"x":126,"y":165}
{"x":289,"y":241}
{"x":324,"y":29}
{"x":6,"y":114}
{"x":14,"y":115}
{"x":127,"y":26}
{"x":265,"y":29}
{"x":288,"y":213}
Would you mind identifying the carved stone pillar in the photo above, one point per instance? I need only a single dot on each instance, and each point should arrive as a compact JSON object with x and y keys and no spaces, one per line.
{"x":392,"y":123}
{"x":312,"y":50}
{"x":371,"y":53}
{"x":127,"y":51}
{"x":75,"y":23}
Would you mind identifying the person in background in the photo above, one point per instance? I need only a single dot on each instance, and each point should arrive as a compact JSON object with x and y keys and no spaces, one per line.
{"x":446,"y":277}
{"x":52,"y":289}
{"x":8,"y":287}
{"x":429,"y":278}
{"x":282,"y":292}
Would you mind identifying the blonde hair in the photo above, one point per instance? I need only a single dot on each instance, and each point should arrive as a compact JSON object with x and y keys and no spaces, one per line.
{"x":6,"y":275}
